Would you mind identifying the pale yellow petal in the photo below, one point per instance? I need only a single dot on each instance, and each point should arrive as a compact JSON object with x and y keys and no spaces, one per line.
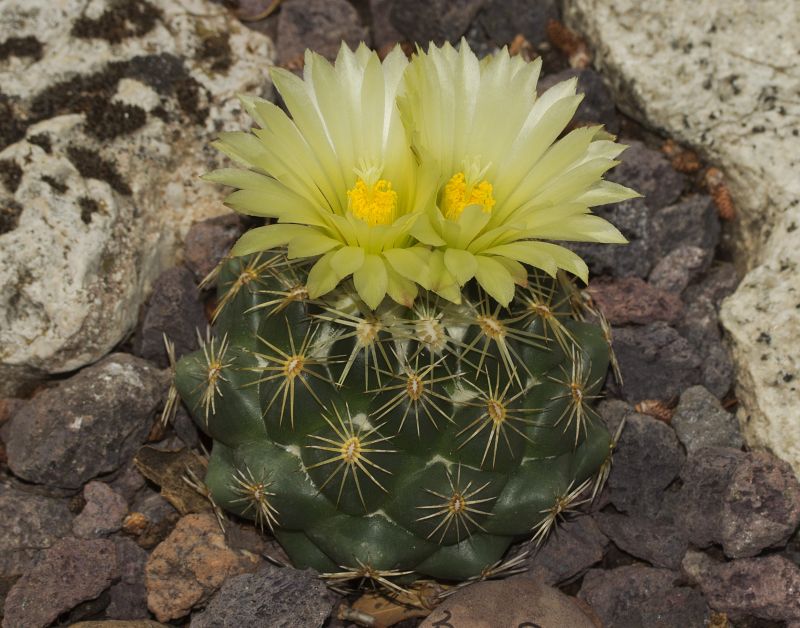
{"x":371,"y":281}
{"x":495,"y":279}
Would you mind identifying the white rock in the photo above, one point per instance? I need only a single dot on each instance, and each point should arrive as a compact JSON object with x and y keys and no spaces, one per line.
{"x":721,"y":76}
{"x":73,"y":273}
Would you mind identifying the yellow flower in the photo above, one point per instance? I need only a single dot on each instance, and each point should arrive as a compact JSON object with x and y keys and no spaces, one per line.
{"x":506,"y":184}
{"x":338,"y":176}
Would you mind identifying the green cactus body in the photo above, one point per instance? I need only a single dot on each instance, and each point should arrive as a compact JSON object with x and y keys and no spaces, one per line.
{"x":404,"y":442}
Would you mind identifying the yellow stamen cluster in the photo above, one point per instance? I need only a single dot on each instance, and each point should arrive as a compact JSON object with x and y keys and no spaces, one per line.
{"x":351,"y":450}
{"x":374,"y":204}
{"x":457,"y":194}
{"x":496,"y":411}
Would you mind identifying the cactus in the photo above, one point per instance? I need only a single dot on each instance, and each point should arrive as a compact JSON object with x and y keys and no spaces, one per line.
{"x":419,"y":440}
{"x":400,"y":376}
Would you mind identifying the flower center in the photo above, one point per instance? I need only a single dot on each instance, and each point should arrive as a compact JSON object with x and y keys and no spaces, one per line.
{"x":457,"y":194}
{"x":374,"y":204}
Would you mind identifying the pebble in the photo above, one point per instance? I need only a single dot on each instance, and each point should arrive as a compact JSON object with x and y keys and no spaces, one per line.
{"x":518,"y":601}
{"x":103,"y":513}
{"x":175,"y":310}
{"x":650,"y":173}
{"x":151,"y":519}
{"x":647,"y":460}
{"x":745,"y":502}
{"x":272,"y":596}
{"x":128,"y":597}
{"x":762,"y":505}
{"x":635,"y":596}
{"x":571,"y":548}
{"x":208,"y":241}
{"x":439,"y":21}
{"x":28,"y":525}
{"x":691,"y":222}
{"x":678,"y":268}
{"x":765,"y":587}
{"x":636,"y":258}
{"x":87,"y":425}
{"x":700,"y":326}
{"x":70,"y":572}
{"x":321,"y":25}
{"x":115,"y":623}
{"x":383,"y":32}
{"x":699,"y":503}
{"x":700,"y":421}
{"x":719,"y":282}
{"x":656,"y":361}
{"x":505,"y":19}
{"x":659,"y":543}
{"x":632,"y":300}
{"x":190,"y":565}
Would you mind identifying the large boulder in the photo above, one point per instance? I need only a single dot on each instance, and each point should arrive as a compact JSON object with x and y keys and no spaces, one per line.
{"x":106,"y":115}
{"x":719,"y":78}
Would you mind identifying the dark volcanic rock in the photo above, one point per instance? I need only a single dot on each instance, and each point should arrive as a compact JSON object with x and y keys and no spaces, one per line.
{"x":174,"y":309}
{"x":597,"y":106}
{"x":29,"y":524}
{"x":647,"y":460}
{"x":659,"y":543}
{"x":423,"y":21}
{"x":698,"y":508}
{"x":103,"y":513}
{"x":719,"y":282}
{"x":383,"y":32}
{"x":678,"y":268}
{"x":70,"y":572}
{"x":89,"y":424}
{"x":656,"y":362}
{"x":692,"y":222}
{"x":745,"y":502}
{"x":632,"y":218}
{"x":208,"y":241}
{"x":571,"y":549}
{"x":129,"y":596}
{"x":762,"y":505}
{"x":272,"y":596}
{"x":632,"y":300}
{"x":321,"y":25}
{"x":642,"y":597}
{"x":505,"y":19}
{"x":700,"y":421}
{"x":700,"y":326}
{"x":766,"y":588}
{"x":650,"y":173}
{"x":151,"y":519}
